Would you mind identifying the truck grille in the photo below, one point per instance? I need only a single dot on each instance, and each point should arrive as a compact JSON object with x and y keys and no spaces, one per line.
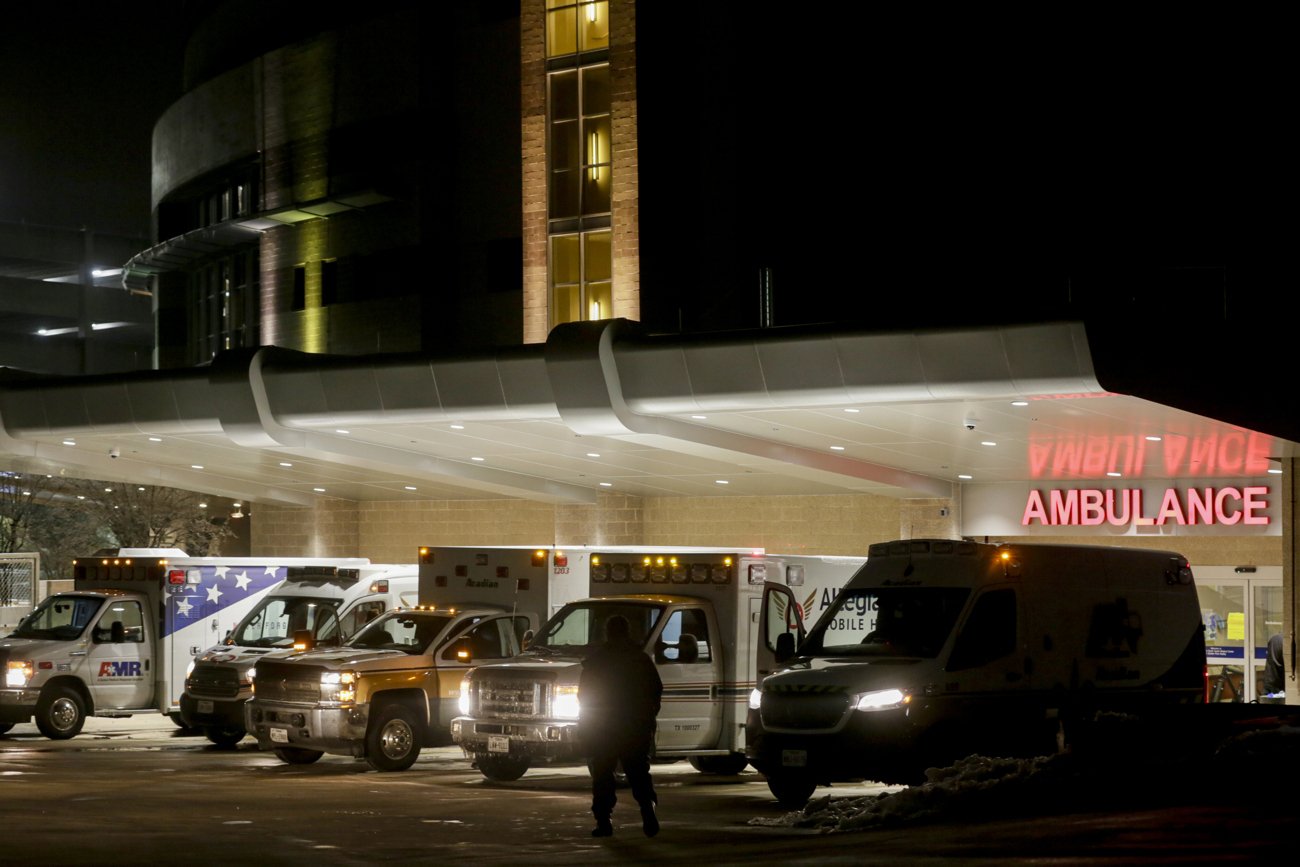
{"x":799,"y":710}
{"x":292,"y":684}
{"x":213,"y":681}
{"x":512,"y":697}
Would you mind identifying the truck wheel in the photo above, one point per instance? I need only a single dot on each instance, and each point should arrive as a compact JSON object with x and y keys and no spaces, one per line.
{"x":297,"y":755}
{"x":4,"y":727}
{"x":178,"y":720}
{"x":60,"y":713}
{"x":792,"y":791}
{"x":501,"y":769}
{"x":393,"y":741}
{"x":223,"y":736}
{"x":728,"y":765}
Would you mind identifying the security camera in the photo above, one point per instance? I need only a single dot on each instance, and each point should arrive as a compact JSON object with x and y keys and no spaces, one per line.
{"x":968,"y":423}
{"x":115,"y":453}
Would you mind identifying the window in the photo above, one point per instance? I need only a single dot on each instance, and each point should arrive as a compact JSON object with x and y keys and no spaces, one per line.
{"x":574,"y":26}
{"x":122,"y":621}
{"x":487,"y":640}
{"x":989,"y":633}
{"x":360,"y":614}
{"x":329,"y":282}
{"x":579,"y":142}
{"x":580,"y":272}
{"x":693,"y":622}
{"x":299,"y":288}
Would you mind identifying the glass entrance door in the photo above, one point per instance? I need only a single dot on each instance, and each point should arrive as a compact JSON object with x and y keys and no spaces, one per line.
{"x":1240,"y":610}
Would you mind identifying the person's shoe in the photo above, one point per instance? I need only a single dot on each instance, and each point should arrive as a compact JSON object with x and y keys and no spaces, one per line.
{"x":649,"y":821}
{"x":603,"y":829}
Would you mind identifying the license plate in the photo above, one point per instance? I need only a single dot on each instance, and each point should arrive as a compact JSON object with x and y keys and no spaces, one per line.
{"x":279,"y":736}
{"x":205,"y":707}
{"x":498,"y":744}
{"x":794,"y":758}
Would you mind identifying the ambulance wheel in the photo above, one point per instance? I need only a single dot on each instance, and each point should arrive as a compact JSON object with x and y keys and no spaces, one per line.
{"x":727,"y":765}
{"x":500,"y":769}
{"x":297,"y":755}
{"x":224,"y":737}
{"x":4,"y":727}
{"x":60,"y":713}
{"x":393,"y":741}
{"x":792,"y":791}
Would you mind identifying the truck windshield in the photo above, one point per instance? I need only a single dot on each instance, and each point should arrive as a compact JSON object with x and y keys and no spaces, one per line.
{"x":887,"y":621}
{"x":580,"y":626}
{"x":273,"y":623}
{"x":408,"y":631}
{"x":61,"y":618}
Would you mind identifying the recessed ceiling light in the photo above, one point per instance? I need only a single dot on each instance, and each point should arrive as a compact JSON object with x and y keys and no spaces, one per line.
{"x":236,"y":505}
{"x":319,"y":490}
{"x":1275,"y":471}
{"x":988,"y":443}
{"x":196,"y":466}
{"x":700,"y":417}
{"x":155,"y":439}
{"x":141,"y":488}
{"x":478,"y":459}
{"x":964,"y":476}
{"x":203,"y":505}
{"x":410,"y":487}
{"x":285,"y":464}
{"x":607,"y":484}
{"x":81,"y":496}
{"x":850,"y":409}
{"x":721,"y":482}
{"x":69,"y":442}
{"x":593,"y":454}
{"x":458,"y":427}
{"x":1114,"y":475}
{"x":108,"y":490}
{"x":837,"y":448}
{"x":340,"y":430}
{"x":1153,"y":439}
{"x":1020,"y":403}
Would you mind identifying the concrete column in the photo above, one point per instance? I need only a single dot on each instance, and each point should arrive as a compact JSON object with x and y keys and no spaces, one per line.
{"x":1290,"y":612}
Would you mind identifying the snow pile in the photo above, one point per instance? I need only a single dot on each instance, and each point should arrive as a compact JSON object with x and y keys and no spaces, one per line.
{"x":980,"y":787}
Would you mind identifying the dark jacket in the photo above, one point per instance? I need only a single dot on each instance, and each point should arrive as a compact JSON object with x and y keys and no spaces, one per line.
{"x":618,"y":694}
{"x":1273,"y":667}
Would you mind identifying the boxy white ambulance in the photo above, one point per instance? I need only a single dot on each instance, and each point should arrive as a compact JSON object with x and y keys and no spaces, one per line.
{"x":119,"y":642}
{"x":325,"y":600}
{"x":710,"y":618}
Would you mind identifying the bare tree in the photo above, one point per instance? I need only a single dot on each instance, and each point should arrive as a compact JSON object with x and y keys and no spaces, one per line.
{"x":147,"y":516}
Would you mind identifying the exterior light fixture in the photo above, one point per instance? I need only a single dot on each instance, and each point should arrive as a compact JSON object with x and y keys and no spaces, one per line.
{"x":965,"y":476}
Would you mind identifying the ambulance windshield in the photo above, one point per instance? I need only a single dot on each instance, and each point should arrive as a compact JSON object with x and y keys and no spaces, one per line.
{"x":887,"y":621}
{"x":408,"y":631}
{"x":580,"y":626}
{"x":61,"y":618}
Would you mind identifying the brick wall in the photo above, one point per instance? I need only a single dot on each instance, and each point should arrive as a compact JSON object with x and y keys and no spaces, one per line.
{"x":532,"y":48}
{"x":623,"y":131}
{"x":328,"y":529}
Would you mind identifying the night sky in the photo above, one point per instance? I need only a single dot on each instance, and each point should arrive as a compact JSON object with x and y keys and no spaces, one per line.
{"x":81,"y":85}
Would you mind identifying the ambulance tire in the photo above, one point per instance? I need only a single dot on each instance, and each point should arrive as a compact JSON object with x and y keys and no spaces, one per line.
{"x":224,"y":737}
{"x":60,"y":713}
{"x":4,"y":727}
{"x":500,"y":769}
{"x":725,"y":765}
{"x":791,"y":791}
{"x":393,"y":741}
{"x":297,"y":755}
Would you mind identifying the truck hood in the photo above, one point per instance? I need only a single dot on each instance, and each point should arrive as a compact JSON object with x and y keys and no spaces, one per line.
{"x":852,"y":674}
{"x":239,"y":657}
{"x":354,"y":657}
{"x":37,"y":648}
{"x":552,"y":666}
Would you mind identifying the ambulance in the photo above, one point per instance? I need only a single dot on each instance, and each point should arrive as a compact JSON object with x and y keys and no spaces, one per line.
{"x":710,"y":618}
{"x":120,"y":641}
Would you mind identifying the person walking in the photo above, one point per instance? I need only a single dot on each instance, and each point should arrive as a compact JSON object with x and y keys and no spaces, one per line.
{"x":618,"y":697}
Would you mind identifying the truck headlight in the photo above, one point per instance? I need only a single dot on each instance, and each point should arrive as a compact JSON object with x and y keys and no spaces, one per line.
{"x":252,"y":676}
{"x":565,"y":703}
{"x":462,"y":702}
{"x":19,"y":673}
{"x":881,"y":699}
{"x":755,"y":699}
{"x":338,"y":687}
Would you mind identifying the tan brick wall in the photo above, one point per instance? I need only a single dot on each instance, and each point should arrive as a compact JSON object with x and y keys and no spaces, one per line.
{"x":329,"y":529}
{"x":928,"y":519}
{"x":392,"y":531}
{"x":532,"y":36}
{"x":623,"y":131}
{"x":615,"y":519}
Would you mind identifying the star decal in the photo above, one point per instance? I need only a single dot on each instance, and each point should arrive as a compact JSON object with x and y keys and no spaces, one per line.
{"x":183,"y":606}
{"x":214,"y":594}
{"x":241,"y":580}
{"x":221,"y":571}
{"x":270,"y":570}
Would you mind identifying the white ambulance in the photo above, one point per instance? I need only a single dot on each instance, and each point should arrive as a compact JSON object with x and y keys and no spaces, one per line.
{"x":711,"y":618}
{"x":120,"y":641}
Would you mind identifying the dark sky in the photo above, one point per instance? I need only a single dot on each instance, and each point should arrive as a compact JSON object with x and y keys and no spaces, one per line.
{"x":81,"y":85}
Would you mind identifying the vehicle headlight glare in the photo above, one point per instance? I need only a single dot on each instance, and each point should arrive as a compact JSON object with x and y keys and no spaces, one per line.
{"x":462,"y":702}
{"x":881,"y":699}
{"x":19,"y":672}
{"x":338,"y":687}
{"x":565,"y":705}
{"x":755,"y":699}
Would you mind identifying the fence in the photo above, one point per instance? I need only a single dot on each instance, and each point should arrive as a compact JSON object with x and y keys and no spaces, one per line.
{"x":20,"y":587}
